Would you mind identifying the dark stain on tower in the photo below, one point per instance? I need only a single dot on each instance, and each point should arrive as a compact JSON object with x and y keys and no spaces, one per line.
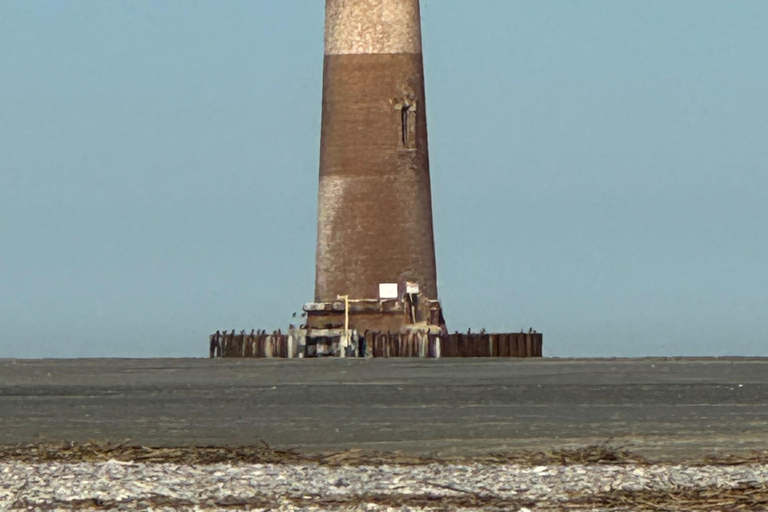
{"x":375,"y":240}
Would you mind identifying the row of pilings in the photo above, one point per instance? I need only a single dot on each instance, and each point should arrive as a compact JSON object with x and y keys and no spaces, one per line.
{"x":256,"y":344}
{"x":296,"y":344}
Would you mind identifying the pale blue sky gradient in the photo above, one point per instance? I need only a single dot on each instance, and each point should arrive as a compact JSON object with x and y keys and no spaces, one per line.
{"x":598,"y":169}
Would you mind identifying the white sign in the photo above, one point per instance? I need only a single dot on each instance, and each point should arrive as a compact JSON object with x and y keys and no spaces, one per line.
{"x":388,"y":291}
{"x":411,"y":287}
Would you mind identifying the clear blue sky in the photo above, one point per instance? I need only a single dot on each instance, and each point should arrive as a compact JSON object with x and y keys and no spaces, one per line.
{"x":598,"y":168}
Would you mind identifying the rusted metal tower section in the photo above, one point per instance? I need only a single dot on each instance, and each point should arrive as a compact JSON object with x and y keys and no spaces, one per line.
{"x":375,"y":240}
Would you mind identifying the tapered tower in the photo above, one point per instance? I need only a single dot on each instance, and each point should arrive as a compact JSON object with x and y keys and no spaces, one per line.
{"x":375,"y":241}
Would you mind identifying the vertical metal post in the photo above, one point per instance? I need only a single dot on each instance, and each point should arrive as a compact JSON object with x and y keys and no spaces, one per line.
{"x":344,"y":342}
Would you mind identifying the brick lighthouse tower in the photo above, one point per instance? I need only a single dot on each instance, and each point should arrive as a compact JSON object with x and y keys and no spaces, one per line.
{"x":375,"y":267}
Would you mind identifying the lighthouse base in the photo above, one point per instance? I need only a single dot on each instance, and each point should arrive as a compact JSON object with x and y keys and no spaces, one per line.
{"x":381,"y":315}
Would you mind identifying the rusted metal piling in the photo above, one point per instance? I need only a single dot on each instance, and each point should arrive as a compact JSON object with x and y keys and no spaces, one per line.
{"x":257,"y":344}
{"x":493,"y":345}
{"x":296,"y":344}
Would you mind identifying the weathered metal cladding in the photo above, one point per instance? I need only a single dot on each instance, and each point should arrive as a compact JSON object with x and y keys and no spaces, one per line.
{"x":375,"y":208}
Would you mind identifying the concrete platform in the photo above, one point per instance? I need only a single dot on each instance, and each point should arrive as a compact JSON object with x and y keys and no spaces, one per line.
{"x":663,"y":408}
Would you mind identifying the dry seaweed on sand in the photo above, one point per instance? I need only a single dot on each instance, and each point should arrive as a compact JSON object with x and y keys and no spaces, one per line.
{"x":95,"y":451}
{"x":127,"y":451}
{"x":711,"y":498}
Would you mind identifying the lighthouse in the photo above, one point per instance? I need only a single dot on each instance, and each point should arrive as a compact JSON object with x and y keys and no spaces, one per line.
{"x":375,"y":261}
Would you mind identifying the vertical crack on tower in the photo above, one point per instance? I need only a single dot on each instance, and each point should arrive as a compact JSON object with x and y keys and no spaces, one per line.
{"x":404,"y":125}
{"x":408,"y":118}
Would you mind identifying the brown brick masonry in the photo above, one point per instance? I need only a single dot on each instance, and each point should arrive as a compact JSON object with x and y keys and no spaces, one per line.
{"x":375,"y":208}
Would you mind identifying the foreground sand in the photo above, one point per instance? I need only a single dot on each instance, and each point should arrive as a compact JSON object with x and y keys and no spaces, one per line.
{"x":597,"y":478}
{"x":142,"y":486}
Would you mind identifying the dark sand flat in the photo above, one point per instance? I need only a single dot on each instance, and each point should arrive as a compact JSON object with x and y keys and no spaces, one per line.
{"x":663,"y":408}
